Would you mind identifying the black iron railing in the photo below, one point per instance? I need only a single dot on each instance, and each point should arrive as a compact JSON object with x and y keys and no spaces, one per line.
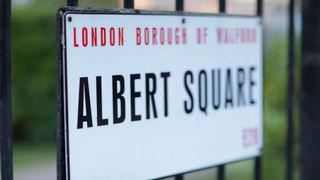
{"x":5,"y":88}
{"x":222,"y":9}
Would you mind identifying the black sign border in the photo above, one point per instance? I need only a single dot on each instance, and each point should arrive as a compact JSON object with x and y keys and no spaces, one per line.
{"x":63,"y":156}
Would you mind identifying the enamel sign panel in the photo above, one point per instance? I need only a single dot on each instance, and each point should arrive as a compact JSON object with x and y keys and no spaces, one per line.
{"x":148,"y":96}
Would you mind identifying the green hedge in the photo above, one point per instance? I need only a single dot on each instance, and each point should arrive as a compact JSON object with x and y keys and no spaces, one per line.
{"x":34,"y":85}
{"x":34,"y":75}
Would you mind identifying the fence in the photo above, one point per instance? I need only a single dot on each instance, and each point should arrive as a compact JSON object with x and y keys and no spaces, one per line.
{"x":179,"y":6}
{"x":5,"y":89}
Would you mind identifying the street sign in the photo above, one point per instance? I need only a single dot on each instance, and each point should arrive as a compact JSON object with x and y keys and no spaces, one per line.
{"x":147,"y":95}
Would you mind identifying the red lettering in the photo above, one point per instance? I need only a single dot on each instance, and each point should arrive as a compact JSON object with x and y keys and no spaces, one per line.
{"x":146,"y":36}
{"x":205,"y":35}
{"x":75,"y":44}
{"x":112,"y":36}
{"x":225,"y":34}
{"x":162,"y":36}
{"x":219,"y":35}
{"x":94,"y":36}
{"x":250,"y":137}
{"x":121,"y":36}
{"x":138,"y":36}
{"x":103,"y":36}
{"x":184,"y":35}
{"x":238,"y":34}
{"x":254,"y":36}
{"x":176,"y":33}
{"x":198,"y":35}
{"x":154,"y":36}
{"x":84,"y":37}
{"x":169,"y":36}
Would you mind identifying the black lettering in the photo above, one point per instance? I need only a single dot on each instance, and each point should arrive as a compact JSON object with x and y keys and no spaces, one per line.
{"x":252,"y":84}
{"x":118,"y":95}
{"x":165,"y":76}
{"x":134,"y":95}
{"x":241,"y":81}
{"x":203,"y":93}
{"x":84,"y":93}
{"x":150,"y":91}
{"x":229,"y":93}
{"x":216,"y":87}
{"x":186,"y":75}
{"x":101,"y":121}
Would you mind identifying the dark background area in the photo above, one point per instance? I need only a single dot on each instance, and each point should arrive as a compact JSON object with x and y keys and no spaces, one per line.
{"x":34,"y":71}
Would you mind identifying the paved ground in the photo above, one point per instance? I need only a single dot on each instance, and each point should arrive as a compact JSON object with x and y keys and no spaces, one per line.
{"x":40,"y":171}
{"x":47,"y":171}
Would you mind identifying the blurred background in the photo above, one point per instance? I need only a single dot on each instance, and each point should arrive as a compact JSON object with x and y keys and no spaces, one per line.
{"x":35,"y":71}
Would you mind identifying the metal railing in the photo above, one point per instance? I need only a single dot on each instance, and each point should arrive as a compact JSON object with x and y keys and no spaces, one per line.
{"x":5,"y":88}
{"x":179,"y":6}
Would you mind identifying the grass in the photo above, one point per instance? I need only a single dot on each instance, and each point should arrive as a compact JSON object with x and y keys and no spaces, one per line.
{"x":25,"y":154}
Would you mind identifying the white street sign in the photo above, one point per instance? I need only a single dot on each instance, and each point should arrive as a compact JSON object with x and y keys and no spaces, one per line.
{"x":148,"y":96}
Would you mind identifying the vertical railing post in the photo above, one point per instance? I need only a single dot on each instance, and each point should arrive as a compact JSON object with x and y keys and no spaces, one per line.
{"x":128,"y":4}
{"x":5,"y":90}
{"x":221,"y":169}
{"x":290,"y":86}
{"x":257,"y":168}
{"x":222,"y":6}
{"x":72,"y":3}
{"x":178,"y":177}
{"x":310,"y":91}
{"x":260,"y":8}
{"x":258,"y":160}
{"x":61,"y":146}
{"x":221,"y":173}
{"x":179,"y":7}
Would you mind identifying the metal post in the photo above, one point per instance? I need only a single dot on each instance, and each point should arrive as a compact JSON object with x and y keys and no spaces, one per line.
{"x":258,"y":160}
{"x":72,"y":3}
{"x":222,"y":6}
{"x":5,"y":90}
{"x":220,"y":169}
{"x":221,"y":173}
{"x":128,"y":4}
{"x":179,"y":5}
{"x":257,"y":168}
{"x":290,"y":102}
{"x":310,"y":91}
{"x":179,"y":177}
{"x":260,"y":7}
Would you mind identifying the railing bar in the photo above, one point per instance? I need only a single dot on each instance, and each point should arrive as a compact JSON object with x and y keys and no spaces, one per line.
{"x":222,"y":6}
{"x":257,"y":160}
{"x":179,"y":5}
{"x":73,"y":3}
{"x":5,"y":90}
{"x":259,"y":7}
{"x":221,"y":169}
{"x":290,"y":102}
{"x":221,"y":173}
{"x":257,"y":168}
{"x":128,"y":4}
{"x":178,"y":177}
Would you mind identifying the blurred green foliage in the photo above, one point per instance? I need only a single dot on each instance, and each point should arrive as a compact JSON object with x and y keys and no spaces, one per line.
{"x":34,"y":88}
{"x":34,"y":74}
{"x":34,"y":69}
